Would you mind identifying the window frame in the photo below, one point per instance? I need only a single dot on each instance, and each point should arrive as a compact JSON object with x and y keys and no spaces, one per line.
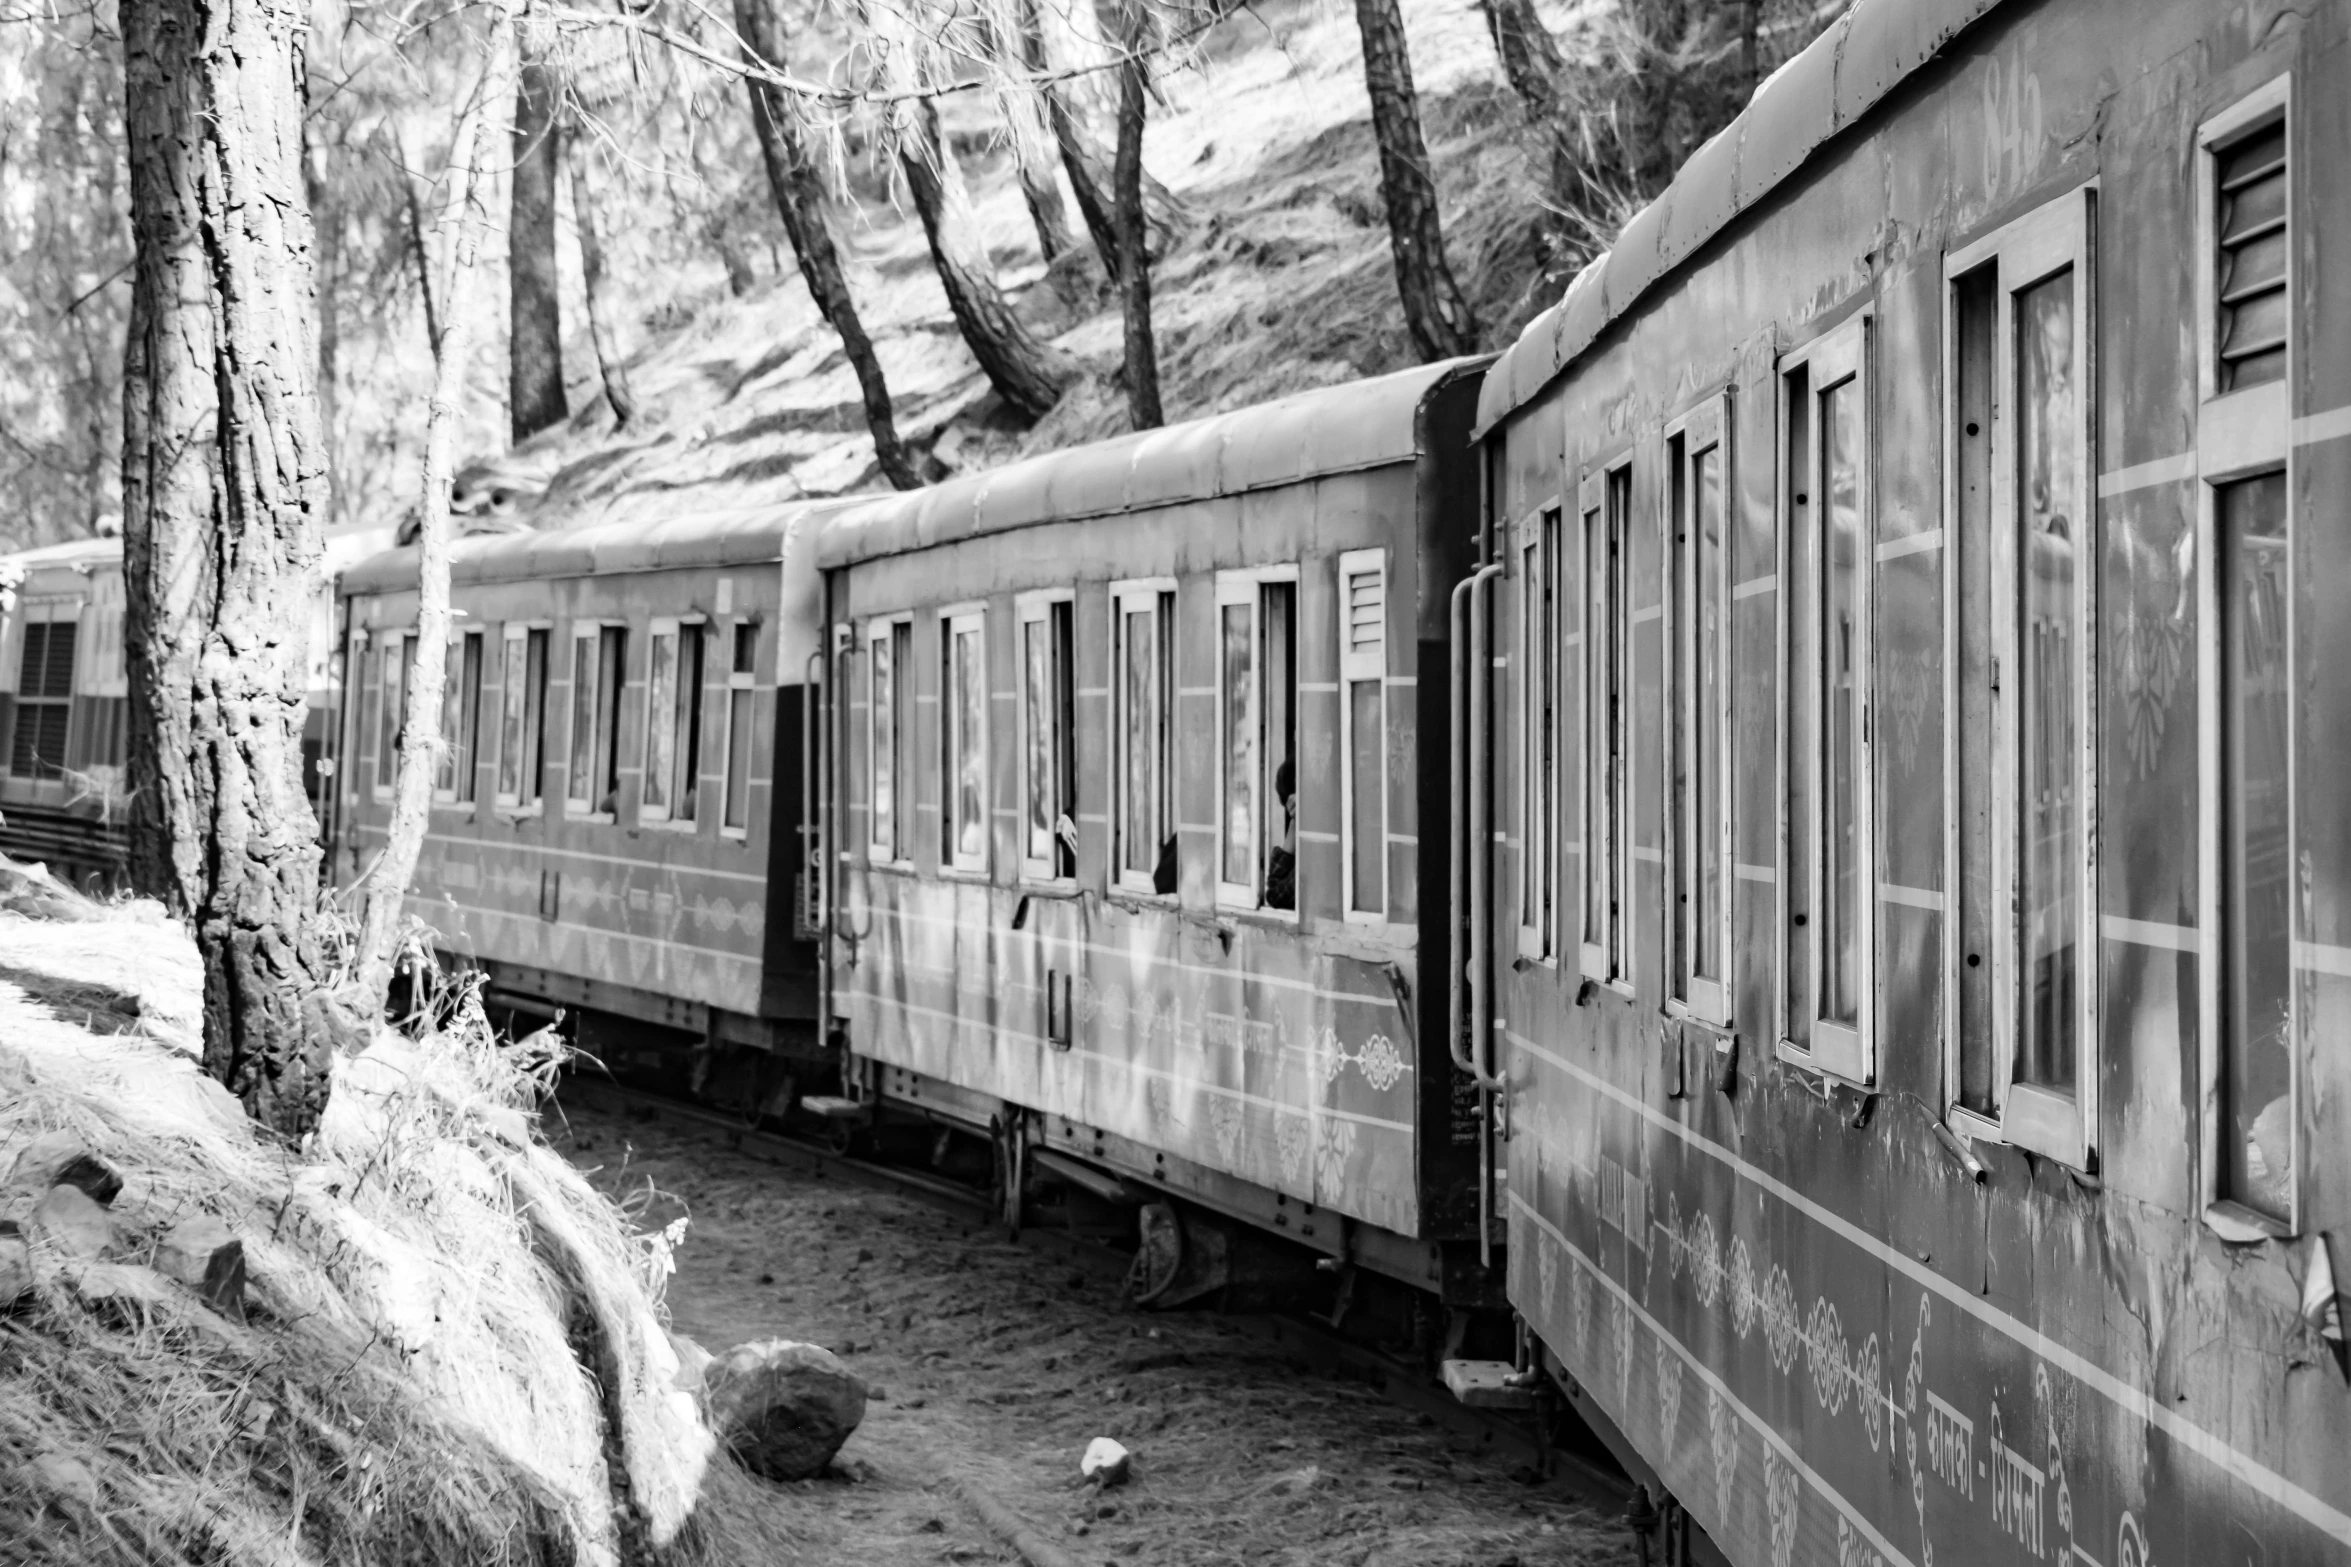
{"x":529,"y":798}
{"x":391,"y":715}
{"x":1247,"y":585}
{"x":897,"y":851}
{"x":1360,"y":666}
{"x":1706,"y":427}
{"x":463,"y":791}
{"x":742,"y":686}
{"x":2055,"y":236}
{"x":953,"y":622}
{"x":1845,"y":1052}
{"x":1037,"y":609}
{"x":1534,"y":559}
{"x":2240,"y":435}
{"x":1606,"y":853}
{"x":1126,"y":597}
{"x":604,"y":709}
{"x":46,"y":612}
{"x":664,"y":813}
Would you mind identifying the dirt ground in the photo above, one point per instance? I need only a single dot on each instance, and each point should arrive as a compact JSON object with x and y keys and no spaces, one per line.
{"x":994,"y":1363}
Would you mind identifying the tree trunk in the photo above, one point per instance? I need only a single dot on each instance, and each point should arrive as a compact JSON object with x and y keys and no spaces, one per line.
{"x":1141,"y":368}
{"x":385,"y":886}
{"x":799,"y":199}
{"x":420,"y":254}
{"x":1531,"y":61}
{"x":534,"y":393}
{"x":1026,"y":374}
{"x":617,"y":392}
{"x":1041,"y":193}
{"x":1433,"y":307}
{"x":318,"y":196}
{"x":225,"y":491}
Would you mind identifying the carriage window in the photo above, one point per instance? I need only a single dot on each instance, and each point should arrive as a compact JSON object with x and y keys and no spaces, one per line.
{"x":890,"y":662}
{"x":2021,"y":943}
{"x":1142,"y":696}
{"x":44,"y":696}
{"x":461,"y":712}
{"x":522,"y":716}
{"x":1048,"y":717}
{"x":1363,"y":677}
{"x":1827,"y":474}
{"x":963,"y":734}
{"x":2250,"y":246}
{"x":1257,"y":691}
{"x":1538,"y":662}
{"x":1701,"y":715}
{"x":735,"y":817}
{"x":673,"y":722}
{"x":1607,"y":508}
{"x":399,"y":657}
{"x":598,"y":660}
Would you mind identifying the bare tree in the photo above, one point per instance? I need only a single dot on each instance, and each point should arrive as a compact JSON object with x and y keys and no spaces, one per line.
{"x":1140,"y":370}
{"x":225,"y":491}
{"x":1434,"y":307}
{"x":535,"y":305}
{"x":385,"y":885}
{"x":1026,"y":374}
{"x":585,"y":215}
{"x":799,"y":199}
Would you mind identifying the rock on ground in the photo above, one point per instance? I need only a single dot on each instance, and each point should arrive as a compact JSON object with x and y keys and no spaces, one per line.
{"x":783,"y":1409}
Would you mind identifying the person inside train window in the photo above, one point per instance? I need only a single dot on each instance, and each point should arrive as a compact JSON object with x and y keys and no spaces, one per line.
{"x":1168,"y":873}
{"x":1281,"y":866}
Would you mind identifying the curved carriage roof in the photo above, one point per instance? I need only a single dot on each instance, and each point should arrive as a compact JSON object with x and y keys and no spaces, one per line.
{"x":1331,"y":430}
{"x":1834,"y":82}
{"x":739,"y":536}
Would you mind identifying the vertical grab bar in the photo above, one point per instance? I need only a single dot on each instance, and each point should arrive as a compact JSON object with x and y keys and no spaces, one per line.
{"x":1481,"y":829}
{"x":1456,"y":824}
{"x":812,"y":854}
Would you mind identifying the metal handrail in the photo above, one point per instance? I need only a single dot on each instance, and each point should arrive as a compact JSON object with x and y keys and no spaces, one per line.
{"x":1469,"y":765}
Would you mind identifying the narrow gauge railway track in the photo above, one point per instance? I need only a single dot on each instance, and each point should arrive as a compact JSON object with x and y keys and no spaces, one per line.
{"x":1494,"y":1437}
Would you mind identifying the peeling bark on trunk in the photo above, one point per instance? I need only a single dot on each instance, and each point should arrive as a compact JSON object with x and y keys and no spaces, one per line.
{"x":225,"y":492}
{"x":534,"y":390}
{"x":385,"y":886}
{"x":584,"y":211}
{"x":1041,"y":194}
{"x":1531,"y":61}
{"x":420,"y":252}
{"x":1433,"y":304}
{"x":1026,"y":374}
{"x":799,"y":199}
{"x":1141,"y":368}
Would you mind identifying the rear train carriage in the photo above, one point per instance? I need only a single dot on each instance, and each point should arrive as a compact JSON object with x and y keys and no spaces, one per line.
{"x":1137,"y":816}
{"x":63,"y":795}
{"x":617,"y":826}
{"x":1919,"y":944}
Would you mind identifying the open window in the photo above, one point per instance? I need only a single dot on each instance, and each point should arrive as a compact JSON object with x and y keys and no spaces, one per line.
{"x":1363,"y":738}
{"x":1538,"y":686}
{"x":44,"y":688}
{"x":598,"y":662}
{"x":461,"y":713}
{"x":963,"y":742}
{"x":743,"y":654}
{"x":2251,"y":1016}
{"x":1697,"y":461}
{"x":673,"y":721}
{"x":1048,"y":735}
{"x":1605,"y":502}
{"x":1142,"y":725}
{"x":889,"y":665}
{"x":1829,"y":874}
{"x":1257,"y":723}
{"x":522,"y":716}
{"x":396,"y":656}
{"x":2022,"y":948}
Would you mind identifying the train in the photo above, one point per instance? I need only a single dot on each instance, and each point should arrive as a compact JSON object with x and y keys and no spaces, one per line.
{"x":1754,"y":876}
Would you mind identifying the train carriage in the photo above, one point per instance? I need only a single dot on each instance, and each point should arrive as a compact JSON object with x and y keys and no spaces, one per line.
{"x":1915,"y":917}
{"x":63,"y":795}
{"x":617,"y":828}
{"x":1135,"y":811}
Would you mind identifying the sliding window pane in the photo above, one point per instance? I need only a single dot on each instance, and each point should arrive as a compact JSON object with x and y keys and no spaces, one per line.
{"x":1240,"y":747}
{"x":1842,"y":577}
{"x":661,"y":687}
{"x":1138,"y":792}
{"x":1706,"y":760}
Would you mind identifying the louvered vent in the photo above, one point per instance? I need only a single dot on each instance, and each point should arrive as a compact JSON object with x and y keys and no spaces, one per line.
{"x":2251,"y":265}
{"x":1366,"y":611}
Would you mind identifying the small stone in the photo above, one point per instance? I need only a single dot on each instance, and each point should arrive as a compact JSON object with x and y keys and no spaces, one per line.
{"x":767,"y":1278}
{"x":865,"y":1254}
{"x":16,"y":1271}
{"x":209,"y":1258}
{"x":63,"y":1159}
{"x":73,"y":1222}
{"x":783,"y":1409}
{"x":1105,"y":1462}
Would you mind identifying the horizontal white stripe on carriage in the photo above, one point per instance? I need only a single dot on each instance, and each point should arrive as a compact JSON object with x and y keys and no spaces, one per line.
{"x":2146,"y":475}
{"x":1767,"y":874}
{"x":2333,"y":425}
{"x":2150,"y":933}
{"x":1105,"y":949}
{"x":1318,"y":837}
{"x":1399,"y":680}
{"x":1716,"y":1385}
{"x":1320,"y":687}
{"x":1767,"y":583}
{"x":1195,"y":691}
{"x":1177,"y":1079}
{"x":1928,"y":898}
{"x":2313,"y":957}
{"x":1647,"y":612}
{"x":1647,"y":855}
{"x":2132,"y":1401}
{"x":1093,"y":690}
{"x":539,"y":928}
{"x":1914,"y":544}
{"x":541,"y":851}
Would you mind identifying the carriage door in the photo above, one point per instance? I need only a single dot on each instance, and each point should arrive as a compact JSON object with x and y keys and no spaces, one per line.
{"x":1472,"y":1022}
